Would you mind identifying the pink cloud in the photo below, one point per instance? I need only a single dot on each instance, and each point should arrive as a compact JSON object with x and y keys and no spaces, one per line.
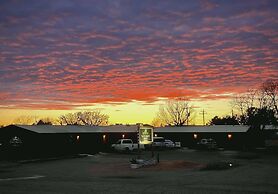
{"x":75,"y":56}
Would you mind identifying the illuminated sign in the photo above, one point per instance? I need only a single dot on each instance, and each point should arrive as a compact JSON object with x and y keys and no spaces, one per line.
{"x":145,"y":134}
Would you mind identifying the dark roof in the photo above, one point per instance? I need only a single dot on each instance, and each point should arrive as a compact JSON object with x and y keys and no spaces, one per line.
{"x":59,"y":128}
{"x":130,"y":129}
{"x":204,"y":129}
{"x":78,"y":128}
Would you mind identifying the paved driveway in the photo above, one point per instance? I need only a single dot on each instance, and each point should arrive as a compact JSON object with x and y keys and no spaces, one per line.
{"x":178,"y":172}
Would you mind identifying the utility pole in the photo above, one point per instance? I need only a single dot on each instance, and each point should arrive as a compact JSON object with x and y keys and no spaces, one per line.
{"x":203,"y":113}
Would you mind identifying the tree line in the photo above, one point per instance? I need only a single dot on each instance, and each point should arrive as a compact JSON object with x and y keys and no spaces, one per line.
{"x":91,"y":118}
{"x":256,"y":107}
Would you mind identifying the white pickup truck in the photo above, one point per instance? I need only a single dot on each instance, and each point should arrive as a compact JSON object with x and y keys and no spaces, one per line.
{"x":126,"y":145}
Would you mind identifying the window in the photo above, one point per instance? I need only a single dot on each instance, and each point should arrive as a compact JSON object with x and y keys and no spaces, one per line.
{"x":127,"y":142}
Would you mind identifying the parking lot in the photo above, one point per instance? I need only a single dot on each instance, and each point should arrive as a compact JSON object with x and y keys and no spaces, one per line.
{"x":179,"y":171}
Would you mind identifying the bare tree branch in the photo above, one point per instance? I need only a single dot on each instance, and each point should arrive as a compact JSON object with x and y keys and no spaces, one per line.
{"x":174,"y":112}
{"x":269,"y":89}
{"x":26,"y":120}
{"x":92,"y":118}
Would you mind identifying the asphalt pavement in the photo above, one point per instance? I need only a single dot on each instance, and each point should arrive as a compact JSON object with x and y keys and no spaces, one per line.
{"x":179,"y":171}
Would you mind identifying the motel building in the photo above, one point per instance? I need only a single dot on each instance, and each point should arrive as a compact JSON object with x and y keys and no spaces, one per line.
{"x":50,"y":140}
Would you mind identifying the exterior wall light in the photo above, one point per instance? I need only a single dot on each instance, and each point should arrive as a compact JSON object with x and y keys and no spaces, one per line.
{"x":104,"y":138}
{"x":230,"y":136}
{"x":195,"y":136}
{"x":123,"y":136}
{"x":155,"y":135}
{"x":77,"y":137}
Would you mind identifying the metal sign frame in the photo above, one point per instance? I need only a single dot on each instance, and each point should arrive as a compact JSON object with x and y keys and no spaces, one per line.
{"x":145,"y":134}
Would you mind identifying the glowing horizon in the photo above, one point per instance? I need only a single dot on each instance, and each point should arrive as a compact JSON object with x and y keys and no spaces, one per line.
{"x":126,"y":113}
{"x":125,"y":56}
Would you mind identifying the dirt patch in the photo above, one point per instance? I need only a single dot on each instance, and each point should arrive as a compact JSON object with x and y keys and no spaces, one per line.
{"x":120,"y":167}
{"x":174,"y":165}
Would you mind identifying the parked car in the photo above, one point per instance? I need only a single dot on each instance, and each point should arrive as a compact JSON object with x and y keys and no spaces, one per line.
{"x":169,"y":144}
{"x":126,"y":145}
{"x":159,"y":142}
{"x":207,"y":144}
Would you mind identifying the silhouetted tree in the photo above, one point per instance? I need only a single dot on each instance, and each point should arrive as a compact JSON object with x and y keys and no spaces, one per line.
{"x":258,"y":108}
{"x":156,"y":122}
{"x":26,"y":120}
{"x":69,"y":119}
{"x":228,"y":120}
{"x":261,"y":99}
{"x":242,"y":102}
{"x":93,"y":118}
{"x":45,"y":121}
{"x":174,"y":112}
{"x":258,"y":118}
{"x":269,"y":95}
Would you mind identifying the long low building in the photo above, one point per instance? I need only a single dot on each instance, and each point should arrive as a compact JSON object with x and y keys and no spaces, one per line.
{"x":57,"y":139}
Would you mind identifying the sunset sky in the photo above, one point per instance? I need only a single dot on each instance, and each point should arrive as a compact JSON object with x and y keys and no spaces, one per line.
{"x":126,"y":57}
